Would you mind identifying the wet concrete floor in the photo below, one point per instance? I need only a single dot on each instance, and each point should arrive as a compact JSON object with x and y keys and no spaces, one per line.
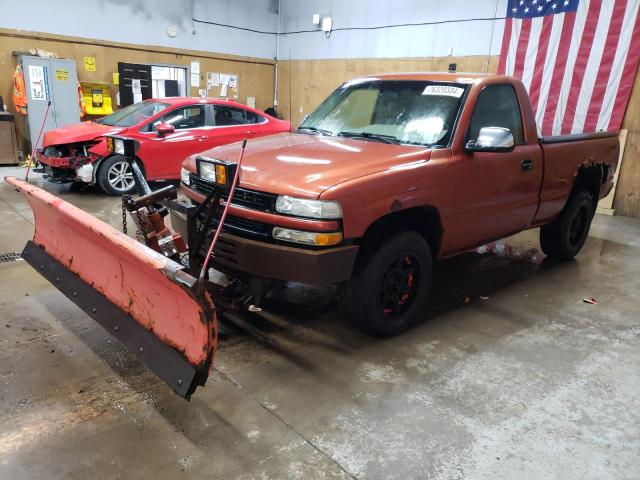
{"x":511,"y":375}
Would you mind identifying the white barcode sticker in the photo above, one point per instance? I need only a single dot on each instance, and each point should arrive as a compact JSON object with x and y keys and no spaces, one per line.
{"x":443,"y":90}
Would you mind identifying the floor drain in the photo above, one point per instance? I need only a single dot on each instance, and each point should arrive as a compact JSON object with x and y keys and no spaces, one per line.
{"x":9,"y":257}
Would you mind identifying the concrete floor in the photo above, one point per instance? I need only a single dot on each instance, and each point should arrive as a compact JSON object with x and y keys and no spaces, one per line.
{"x":529,"y":383}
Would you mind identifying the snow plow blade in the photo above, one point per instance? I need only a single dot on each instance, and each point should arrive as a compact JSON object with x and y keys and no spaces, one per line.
{"x":143,"y":299}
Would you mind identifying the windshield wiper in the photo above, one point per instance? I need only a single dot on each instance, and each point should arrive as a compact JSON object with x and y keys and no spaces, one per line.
{"x":316,"y":130}
{"x":369,"y":135}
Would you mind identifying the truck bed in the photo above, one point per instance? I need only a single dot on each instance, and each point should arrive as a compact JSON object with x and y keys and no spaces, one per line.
{"x":563,"y":157}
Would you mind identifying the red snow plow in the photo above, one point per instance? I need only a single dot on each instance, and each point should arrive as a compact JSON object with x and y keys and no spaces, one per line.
{"x":140,"y":291}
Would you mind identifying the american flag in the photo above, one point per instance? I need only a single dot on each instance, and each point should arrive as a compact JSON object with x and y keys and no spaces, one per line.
{"x":577,"y":58}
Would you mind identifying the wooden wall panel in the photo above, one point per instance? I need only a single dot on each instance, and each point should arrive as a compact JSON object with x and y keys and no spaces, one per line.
{"x":303,"y":84}
{"x":256,"y":76}
{"x":627,"y":199}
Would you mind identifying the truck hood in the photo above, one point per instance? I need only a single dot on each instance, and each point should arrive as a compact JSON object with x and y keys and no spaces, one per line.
{"x":306,"y":165}
{"x":79,"y":132}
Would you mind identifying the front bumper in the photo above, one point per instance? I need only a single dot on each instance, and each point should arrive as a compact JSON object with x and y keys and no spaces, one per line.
{"x":236,"y":255}
{"x":67,"y":169}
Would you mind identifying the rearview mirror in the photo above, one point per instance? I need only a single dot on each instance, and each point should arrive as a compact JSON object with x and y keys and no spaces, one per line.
{"x":492,"y":139}
{"x":164,"y":129}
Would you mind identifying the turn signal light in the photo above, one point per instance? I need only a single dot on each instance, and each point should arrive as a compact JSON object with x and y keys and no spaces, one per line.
{"x":221,"y":174}
{"x":307,"y":238}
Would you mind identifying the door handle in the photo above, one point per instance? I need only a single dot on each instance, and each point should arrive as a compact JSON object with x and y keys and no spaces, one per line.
{"x":526,"y":165}
{"x":249,"y":132}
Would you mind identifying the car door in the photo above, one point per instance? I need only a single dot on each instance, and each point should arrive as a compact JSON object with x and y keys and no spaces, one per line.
{"x":229,"y":125}
{"x":163,"y":154}
{"x":496,"y":193}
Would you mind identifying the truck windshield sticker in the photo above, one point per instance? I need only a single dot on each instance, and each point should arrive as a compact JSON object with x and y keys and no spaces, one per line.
{"x":443,"y":90}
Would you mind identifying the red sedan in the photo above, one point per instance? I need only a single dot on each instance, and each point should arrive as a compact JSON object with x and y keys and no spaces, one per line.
{"x":168,"y":129}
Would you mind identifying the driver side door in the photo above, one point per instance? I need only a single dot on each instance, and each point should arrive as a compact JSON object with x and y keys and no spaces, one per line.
{"x":496,"y":193}
{"x":163,"y":155}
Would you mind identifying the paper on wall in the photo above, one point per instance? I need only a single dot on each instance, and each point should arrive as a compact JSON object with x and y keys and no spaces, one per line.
{"x":213,"y":80}
{"x":224,"y":79}
{"x":251,"y":102}
{"x":202,"y":92}
{"x":135,"y":86}
{"x":233,"y":81}
{"x":137,"y":97}
{"x":195,"y":79}
{"x":195,"y":67}
{"x":223,"y":90}
{"x":37,"y":82}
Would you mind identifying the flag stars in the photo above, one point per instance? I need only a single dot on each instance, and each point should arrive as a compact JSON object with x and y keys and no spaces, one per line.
{"x":566,"y":2}
{"x":526,"y":10}
{"x":540,"y":8}
{"x":521,"y":2}
{"x":534,"y":2}
{"x":514,"y":10}
{"x":554,"y":6}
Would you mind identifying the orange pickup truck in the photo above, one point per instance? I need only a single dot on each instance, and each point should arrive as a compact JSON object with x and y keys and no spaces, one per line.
{"x":393,"y":171}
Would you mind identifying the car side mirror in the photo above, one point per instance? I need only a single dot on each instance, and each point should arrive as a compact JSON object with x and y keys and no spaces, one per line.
{"x":163,"y":129}
{"x":492,"y":139}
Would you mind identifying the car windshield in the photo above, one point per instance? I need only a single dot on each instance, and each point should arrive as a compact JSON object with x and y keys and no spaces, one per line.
{"x":389,"y":111}
{"x":133,"y":114}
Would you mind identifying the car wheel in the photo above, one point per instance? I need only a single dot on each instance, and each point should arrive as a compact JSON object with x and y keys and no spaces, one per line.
{"x":389,"y":291}
{"x":115,"y":176}
{"x":564,"y":238}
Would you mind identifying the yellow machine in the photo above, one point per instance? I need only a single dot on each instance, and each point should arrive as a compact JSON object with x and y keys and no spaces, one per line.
{"x":96,"y":98}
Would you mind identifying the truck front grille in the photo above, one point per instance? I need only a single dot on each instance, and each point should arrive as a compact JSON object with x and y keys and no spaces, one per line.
{"x":265,"y":202}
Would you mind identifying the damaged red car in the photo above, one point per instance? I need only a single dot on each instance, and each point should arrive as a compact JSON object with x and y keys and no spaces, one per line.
{"x":168,"y":129}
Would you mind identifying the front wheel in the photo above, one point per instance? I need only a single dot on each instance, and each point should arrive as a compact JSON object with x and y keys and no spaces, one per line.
{"x":115,"y":176}
{"x":564,"y":238}
{"x":389,"y":291}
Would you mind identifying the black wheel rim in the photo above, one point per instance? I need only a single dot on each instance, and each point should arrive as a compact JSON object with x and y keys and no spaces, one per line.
{"x":399,"y":285}
{"x":577,"y":226}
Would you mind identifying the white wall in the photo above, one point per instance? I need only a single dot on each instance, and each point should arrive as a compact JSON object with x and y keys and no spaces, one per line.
{"x":468,"y":38}
{"x":145,"y":22}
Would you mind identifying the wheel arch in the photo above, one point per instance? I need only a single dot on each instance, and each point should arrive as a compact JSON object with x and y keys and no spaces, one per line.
{"x":590,"y":178}
{"x":425,"y":220}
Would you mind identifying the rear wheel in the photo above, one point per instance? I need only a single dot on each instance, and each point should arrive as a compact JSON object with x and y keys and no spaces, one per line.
{"x":389,"y":291}
{"x":564,"y":238}
{"x":115,"y":176}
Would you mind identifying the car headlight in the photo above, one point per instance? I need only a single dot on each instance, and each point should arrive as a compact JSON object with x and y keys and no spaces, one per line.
{"x":184,"y":176}
{"x":302,"y":207}
{"x":118,"y":146}
{"x":307,"y":238}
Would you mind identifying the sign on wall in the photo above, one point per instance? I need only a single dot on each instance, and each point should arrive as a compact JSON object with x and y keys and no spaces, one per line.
{"x":90,"y":64}
{"x":62,"y":75}
{"x":37,"y":82}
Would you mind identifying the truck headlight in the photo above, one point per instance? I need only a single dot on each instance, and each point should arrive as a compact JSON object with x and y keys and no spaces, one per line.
{"x":216,"y":171}
{"x":302,"y":207}
{"x":184,"y":176}
{"x":307,"y":238}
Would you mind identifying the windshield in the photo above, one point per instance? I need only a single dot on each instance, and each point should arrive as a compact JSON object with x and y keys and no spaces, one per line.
{"x":390,"y":111}
{"x":133,"y":114}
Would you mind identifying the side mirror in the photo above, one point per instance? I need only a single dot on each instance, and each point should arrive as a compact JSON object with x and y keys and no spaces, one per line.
{"x":163,"y":129}
{"x":492,"y":139}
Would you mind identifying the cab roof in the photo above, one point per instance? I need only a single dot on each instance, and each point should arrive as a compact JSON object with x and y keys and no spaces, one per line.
{"x":461,"y":77}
